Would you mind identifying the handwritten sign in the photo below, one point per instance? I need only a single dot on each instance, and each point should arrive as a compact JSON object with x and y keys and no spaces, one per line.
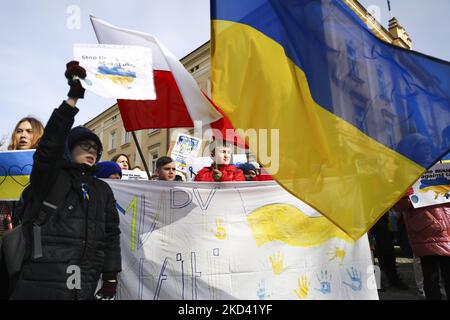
{"x":113,"y":71}
{"x":433,"y":187}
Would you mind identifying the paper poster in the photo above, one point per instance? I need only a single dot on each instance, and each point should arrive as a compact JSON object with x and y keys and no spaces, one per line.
{"x":433,"y":187}
{"x":134,"y":175}
{"x":113,"y":71}
{"x":194,"y":165}
{"x":186,"y":147}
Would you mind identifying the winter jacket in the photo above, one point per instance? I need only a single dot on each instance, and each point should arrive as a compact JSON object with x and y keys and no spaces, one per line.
{"x":80,"y":236}
{"x":429,"y":230}
{"x":229,"y":173}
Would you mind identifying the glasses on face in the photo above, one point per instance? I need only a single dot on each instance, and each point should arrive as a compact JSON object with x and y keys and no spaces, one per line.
{"x":86,"y":146}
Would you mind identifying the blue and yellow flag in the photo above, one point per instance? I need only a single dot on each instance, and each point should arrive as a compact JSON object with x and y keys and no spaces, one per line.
{"x":359,"y":119}
{"x":15,"y":170}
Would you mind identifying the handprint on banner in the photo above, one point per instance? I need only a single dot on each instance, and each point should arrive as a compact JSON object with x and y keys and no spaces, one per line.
{"x":325,"y":282}
{"x":277,"y":263}
{"x":261,"y":292}
{"x":336,"y":253}
{"x":221,"y":231}
{"x":303,"y":287}
{"x":355,"y":278}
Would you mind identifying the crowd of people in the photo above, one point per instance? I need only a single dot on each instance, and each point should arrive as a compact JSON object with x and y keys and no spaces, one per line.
{"x":67,"y":215}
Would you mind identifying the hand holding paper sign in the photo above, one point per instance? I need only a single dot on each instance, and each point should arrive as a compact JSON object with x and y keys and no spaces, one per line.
{"x":121,"y":72}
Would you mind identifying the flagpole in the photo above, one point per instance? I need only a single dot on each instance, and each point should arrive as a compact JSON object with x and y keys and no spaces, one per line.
{"x":140,"y":154}
{"x":389,"y":7}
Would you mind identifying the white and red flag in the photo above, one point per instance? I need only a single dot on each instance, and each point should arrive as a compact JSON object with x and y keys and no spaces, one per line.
{"x":179,"y":101}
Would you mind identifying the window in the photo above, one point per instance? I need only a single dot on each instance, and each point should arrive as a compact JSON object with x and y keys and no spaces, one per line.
{"x":390,"y":133}
{"x":360,"y":118}
{"x":126,"y":137}
{"x":153,"y":157}
{"x":352,"y":62}
{"x":381,"y":82}
{"x":112,"y":140}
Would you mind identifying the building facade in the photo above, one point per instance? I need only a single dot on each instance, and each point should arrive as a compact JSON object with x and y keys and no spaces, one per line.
{"x":155,"y":143}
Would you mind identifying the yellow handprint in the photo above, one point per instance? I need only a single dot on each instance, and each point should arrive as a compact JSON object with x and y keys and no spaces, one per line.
{"x":303,"y":287}
{"x":277,"y":263}
{"x":221,"y":232}
{"x":336,"y":253}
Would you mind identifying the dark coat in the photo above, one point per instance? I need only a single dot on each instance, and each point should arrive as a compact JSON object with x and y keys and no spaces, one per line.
{"x":80,"y":233}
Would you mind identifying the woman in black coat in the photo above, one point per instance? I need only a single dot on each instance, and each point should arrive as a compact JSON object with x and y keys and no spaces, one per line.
{"x":69,"y":218}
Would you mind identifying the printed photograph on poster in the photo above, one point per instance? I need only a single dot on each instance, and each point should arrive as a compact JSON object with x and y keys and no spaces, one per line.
{"x":433,"y":187}
{"x":187,"y":145}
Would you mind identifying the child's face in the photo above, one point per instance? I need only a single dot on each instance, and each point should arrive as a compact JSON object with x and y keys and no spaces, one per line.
{"x":222,"y":155}
{"x":167,"y":172}
{"x":85,"y":152}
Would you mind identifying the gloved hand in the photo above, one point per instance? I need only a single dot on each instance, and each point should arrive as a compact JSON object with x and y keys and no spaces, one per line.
{"x":107,"y":291}
{"x":73,"y":69}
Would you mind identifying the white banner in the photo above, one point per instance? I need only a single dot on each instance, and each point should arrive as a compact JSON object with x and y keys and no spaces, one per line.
{"x":433,"y":187}
{"x":120,"y":72}
{"x":247,"y":240}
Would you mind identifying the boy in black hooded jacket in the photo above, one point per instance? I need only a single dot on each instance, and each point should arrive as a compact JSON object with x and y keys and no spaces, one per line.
{"x":70,"y":219}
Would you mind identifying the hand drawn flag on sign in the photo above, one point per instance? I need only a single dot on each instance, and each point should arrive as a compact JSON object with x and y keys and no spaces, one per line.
{"x":15,"y":170}
{"x":359,"y":119}
{"x":121,"y":72}
{"x":179,"y":100}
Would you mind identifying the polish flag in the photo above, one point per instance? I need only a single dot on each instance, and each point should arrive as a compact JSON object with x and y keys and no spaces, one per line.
{"x":179,"y":100}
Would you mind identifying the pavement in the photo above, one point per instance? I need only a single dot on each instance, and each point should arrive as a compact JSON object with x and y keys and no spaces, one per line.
{"x":406,"y":272}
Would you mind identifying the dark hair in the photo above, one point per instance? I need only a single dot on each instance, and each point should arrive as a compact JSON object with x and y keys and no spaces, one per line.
{"x":162,"y":161}
{"x":117,"y":156}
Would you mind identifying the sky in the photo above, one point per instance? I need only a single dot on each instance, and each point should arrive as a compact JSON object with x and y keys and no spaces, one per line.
{"x":37,"y":40}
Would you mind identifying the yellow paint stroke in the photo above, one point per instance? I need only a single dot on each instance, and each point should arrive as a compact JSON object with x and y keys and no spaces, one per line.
{"x":134,"y":206}
{"x":221,"y":232}
{"x":120,"y":80}
{"x":438,"y":190}
{"x":277,"y":263}
{"x":286,"y":223}
{"x":303,"y":287}
{"x":336,"y":253}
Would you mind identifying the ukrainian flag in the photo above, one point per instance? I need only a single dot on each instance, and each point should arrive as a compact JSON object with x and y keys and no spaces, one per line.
{"x":15,"y":170}
{"x":359,"y":119}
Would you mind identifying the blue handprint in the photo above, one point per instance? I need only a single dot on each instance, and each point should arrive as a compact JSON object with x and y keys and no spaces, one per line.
{"x":324,"y":280}
{"x":355,"y":277}
{"x":261,"y":290}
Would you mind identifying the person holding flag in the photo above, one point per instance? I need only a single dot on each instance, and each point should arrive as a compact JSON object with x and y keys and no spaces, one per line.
{"x":70,"y":221}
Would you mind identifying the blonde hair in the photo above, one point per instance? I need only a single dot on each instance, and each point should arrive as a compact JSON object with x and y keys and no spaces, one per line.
{"x":38,"y":131}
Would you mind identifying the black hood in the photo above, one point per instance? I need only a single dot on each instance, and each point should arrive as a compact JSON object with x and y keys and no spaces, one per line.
{"x":79,"y":134}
